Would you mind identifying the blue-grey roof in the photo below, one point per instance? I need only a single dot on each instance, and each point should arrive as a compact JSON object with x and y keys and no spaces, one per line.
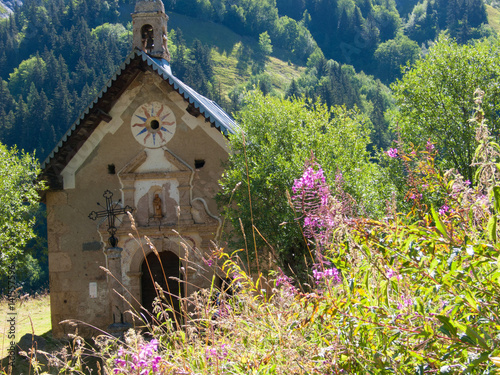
{"x":208,"y":108}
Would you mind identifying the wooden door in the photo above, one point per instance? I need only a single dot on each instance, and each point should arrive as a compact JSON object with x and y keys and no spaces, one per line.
{"x":169,"y":267}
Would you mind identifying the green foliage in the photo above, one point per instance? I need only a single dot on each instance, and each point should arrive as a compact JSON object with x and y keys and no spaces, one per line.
{"x":435,"y":99}
{"x":336,"y":84}
{"x":393,"y":54}
{"x":463,"y":20}
{"x":265,"y":46}
{"x":111,"y":31}
{"x":18,"y":203}
{"x":276,"y":137}
{"x":193,"y":65}
{"x":33,"y":70}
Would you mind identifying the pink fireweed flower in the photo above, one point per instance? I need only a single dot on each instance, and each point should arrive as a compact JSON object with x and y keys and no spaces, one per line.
{"x":312,"y":197}
{"x":391,"y":273}
{"x":328,"y":274}
{"x":392,"y":153}
{"x":444,"y":209}
{"x":216,"y":353}
{"x":144,"y":361}
{"x":405,"y":302}
{"x":309,"y":180}
{"x":429,"y":146}
{"x":285,"y":284}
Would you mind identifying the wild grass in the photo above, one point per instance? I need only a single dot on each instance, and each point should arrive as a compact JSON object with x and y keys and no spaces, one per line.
{"x":493,"y":17}
{"x":226,"y":46}
{"x":414,"y":293}
{"x":33,"y":316}
{"x":229,"y":75}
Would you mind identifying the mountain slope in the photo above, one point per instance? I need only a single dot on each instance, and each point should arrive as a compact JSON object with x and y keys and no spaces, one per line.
{"x":7,"y":7}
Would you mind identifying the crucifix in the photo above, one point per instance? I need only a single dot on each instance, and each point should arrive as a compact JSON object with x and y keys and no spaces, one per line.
{"x":113,"y":254}
{"x":111,"y":210}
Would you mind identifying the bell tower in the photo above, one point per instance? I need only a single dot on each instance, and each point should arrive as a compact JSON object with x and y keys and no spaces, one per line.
{"x":150,"y":28}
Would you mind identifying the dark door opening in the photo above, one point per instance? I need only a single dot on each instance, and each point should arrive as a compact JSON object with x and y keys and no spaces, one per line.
{"x":171,"y":268}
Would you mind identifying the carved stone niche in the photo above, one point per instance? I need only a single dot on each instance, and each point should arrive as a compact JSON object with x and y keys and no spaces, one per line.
{"x":157,"y":184}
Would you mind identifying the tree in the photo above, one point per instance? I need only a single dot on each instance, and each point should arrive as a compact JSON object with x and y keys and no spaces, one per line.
{"x":18,"y":203}
{"x":435,"y":99}
{"x":393,"y":54}
{"x":276,"y":138}
{"x":265,"y":48}
{"x":293,"y":90}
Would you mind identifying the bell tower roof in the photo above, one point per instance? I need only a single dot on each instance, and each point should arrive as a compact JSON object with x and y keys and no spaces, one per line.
{"x":147,"y":6}
{"x":150,"y":28}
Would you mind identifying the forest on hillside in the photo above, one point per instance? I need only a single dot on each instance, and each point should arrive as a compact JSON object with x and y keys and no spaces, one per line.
{"x":56,"y":55}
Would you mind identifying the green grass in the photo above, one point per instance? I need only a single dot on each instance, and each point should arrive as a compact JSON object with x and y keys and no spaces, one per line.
{"x":225,"y":46}
{"x":493,"y":18}
{"x":33,"y":316}
{"x":229,"y":75}
{"x":210,"y":33}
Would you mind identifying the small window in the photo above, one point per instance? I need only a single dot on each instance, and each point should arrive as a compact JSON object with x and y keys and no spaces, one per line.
{"x":199,"y":163}
{"x":111,"y":169}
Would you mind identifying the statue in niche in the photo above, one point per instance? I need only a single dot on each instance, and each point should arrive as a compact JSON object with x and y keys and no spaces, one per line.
{"x":157,"y":207}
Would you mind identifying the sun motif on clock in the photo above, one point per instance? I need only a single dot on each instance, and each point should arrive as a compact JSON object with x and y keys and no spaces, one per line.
{"x":153,"y":124}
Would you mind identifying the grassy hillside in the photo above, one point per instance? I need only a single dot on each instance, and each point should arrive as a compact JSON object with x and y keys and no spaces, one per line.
{"x":33,"y":316}
{"x":226,"y":47}
{"x":228,"y":74}
{"x":493,"y":18}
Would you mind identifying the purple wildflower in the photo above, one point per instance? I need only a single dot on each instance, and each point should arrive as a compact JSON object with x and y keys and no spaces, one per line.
{"x":145,"y":360}
{"x":313,"y":199}
{"x":215,"y":354}
{"x":285,"y":283}
{"x":444,"y":209}
{"x":392,"y":153}
{"x":328,"y":274}
{"x":430,"y":146}
{"x":405,"y":302}
{"x":391,"y":273}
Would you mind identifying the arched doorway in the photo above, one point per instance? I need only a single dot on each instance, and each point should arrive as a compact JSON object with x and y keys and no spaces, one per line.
{"x":169,"y":267}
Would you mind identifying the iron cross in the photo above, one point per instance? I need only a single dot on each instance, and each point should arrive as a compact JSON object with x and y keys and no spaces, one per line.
{"x":111,"y":211}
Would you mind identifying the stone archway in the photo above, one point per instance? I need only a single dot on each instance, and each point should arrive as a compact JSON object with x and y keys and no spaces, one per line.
{"x":161,"y":271}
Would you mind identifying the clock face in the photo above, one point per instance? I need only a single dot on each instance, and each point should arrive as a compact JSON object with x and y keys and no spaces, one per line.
{"x":153,"y":124}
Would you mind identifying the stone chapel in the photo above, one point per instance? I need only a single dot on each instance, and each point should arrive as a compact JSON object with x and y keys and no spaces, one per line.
{"x":147,"y":143}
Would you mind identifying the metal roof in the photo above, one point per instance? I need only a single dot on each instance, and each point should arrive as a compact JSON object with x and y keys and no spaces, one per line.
{"x":208,"y":108}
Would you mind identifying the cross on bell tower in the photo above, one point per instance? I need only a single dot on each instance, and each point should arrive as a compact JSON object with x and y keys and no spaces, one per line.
{"x":150,"y":28}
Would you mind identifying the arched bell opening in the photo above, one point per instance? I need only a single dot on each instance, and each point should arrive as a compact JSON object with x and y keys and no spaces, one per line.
{"x":148,"y":38}
{"x":162,"y":271}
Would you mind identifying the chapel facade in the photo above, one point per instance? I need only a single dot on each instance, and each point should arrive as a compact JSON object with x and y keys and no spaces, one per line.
{"x":150,"y":144}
